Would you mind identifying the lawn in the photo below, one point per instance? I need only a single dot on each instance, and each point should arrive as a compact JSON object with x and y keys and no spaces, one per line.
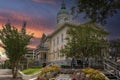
{"x":30,"y":71}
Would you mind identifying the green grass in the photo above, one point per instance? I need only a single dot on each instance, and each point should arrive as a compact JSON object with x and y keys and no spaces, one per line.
{"x":30,"y":71}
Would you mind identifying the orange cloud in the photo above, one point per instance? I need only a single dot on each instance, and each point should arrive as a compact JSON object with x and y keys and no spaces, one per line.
{"x":37,"y":33}
{"x":35,"y":24}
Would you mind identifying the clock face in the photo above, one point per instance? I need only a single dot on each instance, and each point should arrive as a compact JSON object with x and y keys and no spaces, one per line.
{"x":61,"y":19}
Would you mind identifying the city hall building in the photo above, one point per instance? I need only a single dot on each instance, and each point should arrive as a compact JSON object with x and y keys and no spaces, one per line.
{"x":49,"y":50}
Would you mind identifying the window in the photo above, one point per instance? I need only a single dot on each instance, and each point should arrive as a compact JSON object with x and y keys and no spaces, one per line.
{"x":61,"y":37}
{"x":54,"y":42}
{"x":57,"y":40}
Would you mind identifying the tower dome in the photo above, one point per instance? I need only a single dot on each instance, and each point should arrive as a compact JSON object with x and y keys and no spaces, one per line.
{"x":63,"y":14}
{"x":63,"y":10}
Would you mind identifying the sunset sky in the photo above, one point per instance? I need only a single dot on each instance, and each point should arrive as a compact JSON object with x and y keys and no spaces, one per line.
{"x":40,"y":16}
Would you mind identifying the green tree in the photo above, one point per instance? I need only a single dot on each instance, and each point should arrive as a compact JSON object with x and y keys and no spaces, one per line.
{"x":96,"y":10}
{"x":15,"y":43}
{"x":86,"y":40}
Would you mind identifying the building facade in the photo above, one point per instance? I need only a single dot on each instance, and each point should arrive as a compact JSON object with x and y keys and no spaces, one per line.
{"x":50,"y":45}
{"x":49,"y":50}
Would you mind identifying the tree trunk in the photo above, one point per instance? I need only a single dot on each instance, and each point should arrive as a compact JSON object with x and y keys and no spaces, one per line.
{"x":13,"y":69}
{"x":14,"y":72}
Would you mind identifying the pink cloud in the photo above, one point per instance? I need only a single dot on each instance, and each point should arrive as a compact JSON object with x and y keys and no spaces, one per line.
{"x":46,"y":1}
{"x":34,"y":42}
{"x":34,"y":23}
{"x":2,"y":18}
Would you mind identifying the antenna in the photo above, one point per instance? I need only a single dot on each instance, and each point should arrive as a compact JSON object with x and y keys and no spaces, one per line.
{"x":63,"y":5}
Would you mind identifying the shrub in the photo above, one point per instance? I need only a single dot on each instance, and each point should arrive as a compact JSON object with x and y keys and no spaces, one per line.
{"x":49,"y":72}
{"x":94,"y":74}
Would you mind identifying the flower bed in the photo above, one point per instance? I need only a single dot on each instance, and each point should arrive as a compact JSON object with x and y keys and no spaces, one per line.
{"x":88,"y":74}
{"x":93,"y":74}
{"x":53,"y":72}
{"x":48,"y":72}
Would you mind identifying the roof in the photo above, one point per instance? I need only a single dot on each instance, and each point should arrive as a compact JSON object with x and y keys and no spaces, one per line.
{"x":90,"y":24}
{"x":60,"y":27}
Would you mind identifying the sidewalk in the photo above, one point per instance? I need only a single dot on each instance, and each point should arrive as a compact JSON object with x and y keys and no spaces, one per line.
{"x":8,"y":78}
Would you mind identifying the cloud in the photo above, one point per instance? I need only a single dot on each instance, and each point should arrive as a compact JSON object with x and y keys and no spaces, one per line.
{"x":52,"y":2}
{"x":34,"y":42}
{"x":35,"y":24}
{"x":2,"y":18}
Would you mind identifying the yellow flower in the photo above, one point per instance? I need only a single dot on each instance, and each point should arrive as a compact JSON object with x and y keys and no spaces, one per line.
{"x":94,"y":74}
{"x":53,"y":67}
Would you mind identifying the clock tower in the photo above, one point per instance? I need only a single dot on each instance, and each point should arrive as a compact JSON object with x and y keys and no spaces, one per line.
{"x":62,"y":15}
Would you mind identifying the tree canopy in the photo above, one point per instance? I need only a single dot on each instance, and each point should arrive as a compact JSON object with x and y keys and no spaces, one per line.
{"x":97,"y":10}
{"x":86,"y":40}
{"x":15,"y":44}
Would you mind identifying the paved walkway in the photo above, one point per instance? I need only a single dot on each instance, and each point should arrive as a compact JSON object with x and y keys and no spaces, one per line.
{"x":5,"y":74}
{"x":9,"y":78}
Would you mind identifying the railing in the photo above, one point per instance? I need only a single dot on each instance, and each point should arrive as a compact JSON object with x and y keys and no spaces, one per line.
{"x":112,"y":68}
